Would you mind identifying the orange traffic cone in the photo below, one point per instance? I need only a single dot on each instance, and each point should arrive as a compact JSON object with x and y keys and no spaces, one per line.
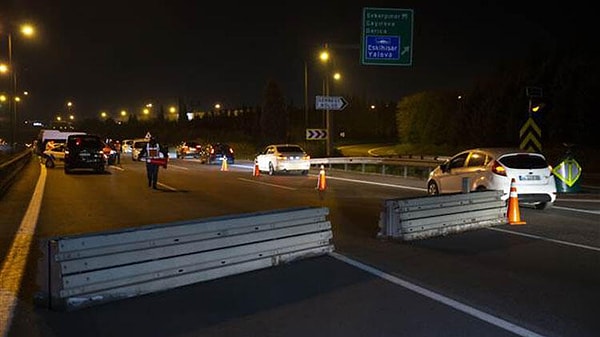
{"x":256,"y":172}
{"x":514,"y":215}
{"x":321,"y":185}
{"x":224,"y":164}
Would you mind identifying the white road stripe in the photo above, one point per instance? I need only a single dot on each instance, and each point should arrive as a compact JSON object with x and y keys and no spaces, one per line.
{"x":13,"y":266}
{"x":440,"y":298}
{"x":566,"y":243}
{"x":263,"y":183}
{"x":576,"y":209}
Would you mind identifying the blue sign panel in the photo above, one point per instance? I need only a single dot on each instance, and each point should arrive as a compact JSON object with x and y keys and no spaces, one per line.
{"x":382,"y":47}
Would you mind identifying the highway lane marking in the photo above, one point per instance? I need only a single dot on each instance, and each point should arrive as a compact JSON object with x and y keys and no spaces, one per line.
{"x":379,"y":184}
{"x":166,"y":186}
{"x":263,"y":183}
{"x":580,"y":200}
{"x":13,"y":266}
{"x":531,"y":236}
{"x":576,"y":209}
{"x":499,"y":322}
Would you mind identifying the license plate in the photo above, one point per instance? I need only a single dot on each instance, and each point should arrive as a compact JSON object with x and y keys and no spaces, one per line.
{"x":84,"y":154}
{"x":529,"y":178}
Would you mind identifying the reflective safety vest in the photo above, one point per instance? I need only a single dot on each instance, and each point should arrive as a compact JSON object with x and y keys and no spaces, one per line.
{"x":153,"y":152}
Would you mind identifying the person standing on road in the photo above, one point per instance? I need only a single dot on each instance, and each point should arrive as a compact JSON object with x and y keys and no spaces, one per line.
{"x":152,"y":152}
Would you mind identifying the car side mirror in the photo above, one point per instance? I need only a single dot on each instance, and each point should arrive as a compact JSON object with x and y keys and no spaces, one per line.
{"x":445,"y":167}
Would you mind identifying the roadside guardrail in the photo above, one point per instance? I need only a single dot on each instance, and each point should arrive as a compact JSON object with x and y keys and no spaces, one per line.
{"x":404,"y":166}
{"x":424,"y":217}
{"x":10,"y":169}
{"x":85,"y":270}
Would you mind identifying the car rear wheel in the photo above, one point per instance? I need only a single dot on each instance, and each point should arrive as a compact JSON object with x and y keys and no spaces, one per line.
{"x":49,"y":163}
{"x":271,"y":169}
{"x":432,"y":188}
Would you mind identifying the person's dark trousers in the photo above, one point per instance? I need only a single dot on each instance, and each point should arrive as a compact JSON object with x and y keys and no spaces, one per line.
{"x":152,"y":172}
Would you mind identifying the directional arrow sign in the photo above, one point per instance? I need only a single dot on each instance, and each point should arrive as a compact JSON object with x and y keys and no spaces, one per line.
{"x":330,"y":103}
{"x":316,"y":134}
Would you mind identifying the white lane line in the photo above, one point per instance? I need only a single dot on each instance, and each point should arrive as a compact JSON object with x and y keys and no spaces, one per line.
{"x":503,"y":324}
{"x":576,"y":209}
{"x":566,"y":243}
{"x":263,"y":183}
{"x":166,"y":186}
{"x":379,"y":184}
{"x":13,"y":266}
{"x":580,"y":200}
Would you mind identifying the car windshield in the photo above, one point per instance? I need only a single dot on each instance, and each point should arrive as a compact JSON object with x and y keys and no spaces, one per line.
{"x":290,"y":149}
{"x":524,"y":161}
{"x":86,"y":142}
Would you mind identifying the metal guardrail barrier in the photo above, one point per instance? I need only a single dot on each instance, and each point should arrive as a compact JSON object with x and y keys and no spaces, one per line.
{"x":424,"y":217}
{"x":404,"y":166}
{"x":91,"y":269}
{"x":11,"y":168}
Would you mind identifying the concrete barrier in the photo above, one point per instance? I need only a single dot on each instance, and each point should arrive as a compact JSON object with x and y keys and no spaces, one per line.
{"x":96,"y":268}
{"x":423,"y":217}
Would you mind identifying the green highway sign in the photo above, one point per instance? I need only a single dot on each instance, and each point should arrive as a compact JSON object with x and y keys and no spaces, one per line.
{"x":387,"y":36}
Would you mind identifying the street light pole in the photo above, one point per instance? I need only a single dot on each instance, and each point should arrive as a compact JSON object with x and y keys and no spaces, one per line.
{"x":305,"y":94}
{"x":12,"y":104}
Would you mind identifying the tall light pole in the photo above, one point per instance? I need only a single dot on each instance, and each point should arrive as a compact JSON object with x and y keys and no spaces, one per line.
{"x":26,"y":30}
{"x":324,"y":56}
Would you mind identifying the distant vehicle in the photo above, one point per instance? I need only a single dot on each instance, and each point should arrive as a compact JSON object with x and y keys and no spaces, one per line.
{"x":126,"y":145}
{"x":493,"y":169}
{"x":85,"y":152}
{"x":55,"y":136}
{"x":283,"y":158}
{"x":217,"y":152}
{"x":136,"y":147}
{"x":188,"y":149}
{"x":54,"y":155}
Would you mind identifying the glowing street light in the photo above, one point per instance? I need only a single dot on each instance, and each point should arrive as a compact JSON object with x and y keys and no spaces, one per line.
{"x":26,"y":30}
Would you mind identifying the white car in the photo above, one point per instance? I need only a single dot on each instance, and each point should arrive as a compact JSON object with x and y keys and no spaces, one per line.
{"x":136,"y":148}
{"x":283,"y":158}
{"x":494,"y":169}
{"x":126,"y":145}
{"x":54,"y":154}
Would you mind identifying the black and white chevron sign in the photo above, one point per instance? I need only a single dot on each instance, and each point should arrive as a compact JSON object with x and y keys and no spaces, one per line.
{"x":312,"y":134}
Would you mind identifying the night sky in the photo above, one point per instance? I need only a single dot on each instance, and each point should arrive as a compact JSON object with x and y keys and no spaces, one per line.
{"x":113,"y":55}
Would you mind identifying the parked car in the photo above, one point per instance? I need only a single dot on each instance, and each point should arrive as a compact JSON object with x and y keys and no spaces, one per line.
{"x":217,"y":152}
{"x":493,"y":169}
{"x":54,"y":155}
{"x":188,"y":149}
{"x":136,"y":147}
{"x":283,"y":158}
{"x":85,"y":152}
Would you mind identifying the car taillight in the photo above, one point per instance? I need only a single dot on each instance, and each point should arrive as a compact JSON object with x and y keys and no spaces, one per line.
{"x":498,"y":169}
{"x":231,"y":150}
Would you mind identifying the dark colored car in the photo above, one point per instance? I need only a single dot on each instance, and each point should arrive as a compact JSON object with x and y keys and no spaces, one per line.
{"x":217,"y":152}
{"x":85,"y":152}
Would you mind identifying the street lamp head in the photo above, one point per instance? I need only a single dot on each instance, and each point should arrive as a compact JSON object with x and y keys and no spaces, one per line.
{"x":27,"y":30}
{"x":324,"y":56}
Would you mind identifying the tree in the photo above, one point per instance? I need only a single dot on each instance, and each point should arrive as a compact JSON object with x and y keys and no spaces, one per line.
{"x":273,"y":119}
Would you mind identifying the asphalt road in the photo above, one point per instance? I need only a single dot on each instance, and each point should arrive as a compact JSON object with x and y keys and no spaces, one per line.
{"x":541,"y":279}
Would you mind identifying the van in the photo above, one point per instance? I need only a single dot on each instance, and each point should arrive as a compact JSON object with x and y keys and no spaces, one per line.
{"x":52,"y":136}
